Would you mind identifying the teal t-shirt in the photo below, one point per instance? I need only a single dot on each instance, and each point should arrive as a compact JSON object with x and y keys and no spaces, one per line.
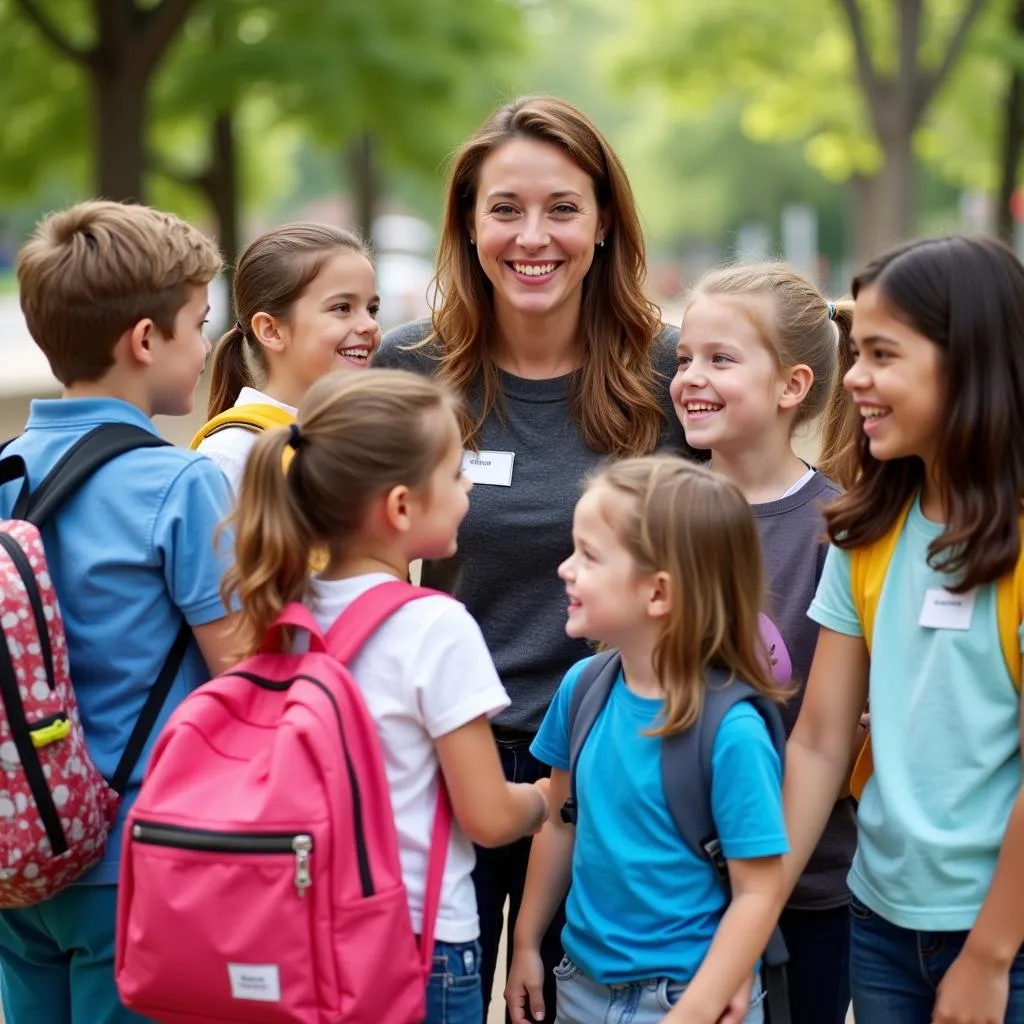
{"x":642,"y":905}
{"x":945,"y":734}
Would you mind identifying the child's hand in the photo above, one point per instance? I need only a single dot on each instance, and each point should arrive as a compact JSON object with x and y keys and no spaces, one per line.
{"x":735,"y":1013}
{"x":524,"y":992}
{"x":739,"y":1006}
{"x":975,"y":990}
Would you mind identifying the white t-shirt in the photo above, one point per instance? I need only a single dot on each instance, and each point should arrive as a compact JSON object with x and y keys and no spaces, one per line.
{"x":424,"y":673}
{"x":230,"y":447}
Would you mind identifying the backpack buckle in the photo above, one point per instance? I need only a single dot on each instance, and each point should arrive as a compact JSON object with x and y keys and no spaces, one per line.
{"x":713,"y":850}
{"x":50,"y":730}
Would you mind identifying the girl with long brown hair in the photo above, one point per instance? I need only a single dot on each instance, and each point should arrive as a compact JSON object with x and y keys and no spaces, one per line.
{"x":306,"y":303}
{"x":376,"y":482}
{"x":665,"y":568}
{"x":542,"y":325}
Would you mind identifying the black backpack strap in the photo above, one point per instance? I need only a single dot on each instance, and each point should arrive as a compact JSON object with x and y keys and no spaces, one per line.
{"x":686,"y":777}
{"x":77,"y":464}
{"x":151,"y":711}
{"x":91,"y":451}
{"x":589,"y":697}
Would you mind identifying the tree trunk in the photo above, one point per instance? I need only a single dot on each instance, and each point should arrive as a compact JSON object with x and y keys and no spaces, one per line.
{"x":883,"y":205}
{"x":1013,"y":136}
{"x":362,"y":173}
{"x":221,"y":187}
{"x":119,"y":108}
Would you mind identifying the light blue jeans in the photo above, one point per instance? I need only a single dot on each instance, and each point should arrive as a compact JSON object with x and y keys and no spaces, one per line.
{"x":581,"y":1000}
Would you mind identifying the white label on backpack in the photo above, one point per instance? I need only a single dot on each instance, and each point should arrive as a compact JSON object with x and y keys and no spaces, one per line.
{"x":489,"y":467}
{"x":943,"y":610}
{"x":258,"y":983}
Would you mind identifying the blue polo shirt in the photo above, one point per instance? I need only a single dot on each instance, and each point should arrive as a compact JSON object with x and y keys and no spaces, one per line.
{"x":642,"y":904}
{"x":131,"y":553}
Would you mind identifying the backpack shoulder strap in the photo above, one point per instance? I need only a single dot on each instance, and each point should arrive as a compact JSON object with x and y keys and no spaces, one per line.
{"x":367,"y":613}
{"x":95,"y":449}
{"x":346,"y":637}
{"x":868,"y":567}
{"x":686,"y":762}
{"x":1010,"y":614}
{"x":256,"y":417}
{"x":686,"y":778}
{"x":589,"y":696}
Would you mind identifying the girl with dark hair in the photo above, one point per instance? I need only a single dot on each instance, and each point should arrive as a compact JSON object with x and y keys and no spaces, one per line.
{"x":926,"y":549}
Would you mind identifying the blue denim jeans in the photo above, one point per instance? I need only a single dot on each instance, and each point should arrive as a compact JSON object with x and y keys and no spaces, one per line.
{"x":581,"y":1000}
{"x":818,"y":971}
{"x":454,"y":995}
{"x":895,"y":972}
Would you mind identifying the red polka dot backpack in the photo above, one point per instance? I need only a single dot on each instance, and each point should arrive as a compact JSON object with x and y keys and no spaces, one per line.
{"x":56,"y":810}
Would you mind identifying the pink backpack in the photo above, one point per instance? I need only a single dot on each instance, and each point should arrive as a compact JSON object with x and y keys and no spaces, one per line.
{"x":260,"y":875}
{"x":56,"y":810}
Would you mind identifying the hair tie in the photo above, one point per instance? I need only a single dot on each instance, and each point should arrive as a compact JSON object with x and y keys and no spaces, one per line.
{"x":831,"y":311}
{"x":294,"y":436}
{"x":236,"y":326}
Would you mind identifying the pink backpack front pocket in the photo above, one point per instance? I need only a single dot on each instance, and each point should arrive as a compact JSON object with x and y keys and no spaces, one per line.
{"x":264,"y":958}
{"x":261,"y":879}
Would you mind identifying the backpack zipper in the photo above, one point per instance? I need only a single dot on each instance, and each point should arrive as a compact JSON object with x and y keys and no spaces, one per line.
{"x":179,"y":837}
{"x":362,"y":851}
{"x":28,"y":579}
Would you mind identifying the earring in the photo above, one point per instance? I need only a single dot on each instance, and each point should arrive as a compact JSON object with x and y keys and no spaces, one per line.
{"x":601,"y":243}
{"x":472,"y":241}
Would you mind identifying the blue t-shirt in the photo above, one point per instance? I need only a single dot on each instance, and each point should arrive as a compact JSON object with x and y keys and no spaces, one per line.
{"x":131,"y":553}
{"x":945,"y":737}
{"x":642,"y":905}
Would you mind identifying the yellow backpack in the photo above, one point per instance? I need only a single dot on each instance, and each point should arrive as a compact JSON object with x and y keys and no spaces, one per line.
{"x":868,"y":568}
{"x":257,"y":417}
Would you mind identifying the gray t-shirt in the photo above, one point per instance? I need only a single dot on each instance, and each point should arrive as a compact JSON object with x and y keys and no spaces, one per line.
{"x":514,"y":538}
{"x":794,"y":547}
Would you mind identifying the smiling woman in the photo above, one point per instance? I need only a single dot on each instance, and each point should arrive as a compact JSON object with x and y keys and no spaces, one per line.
{"x":544,"y":328}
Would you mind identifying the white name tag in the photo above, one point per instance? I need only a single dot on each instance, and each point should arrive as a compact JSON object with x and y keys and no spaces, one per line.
{"x":489,"y":467}
{"x":258,"y":983}
{"x":943,"y":610}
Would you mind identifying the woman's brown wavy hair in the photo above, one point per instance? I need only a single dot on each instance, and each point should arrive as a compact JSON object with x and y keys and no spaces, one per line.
{"x":697,"y":527}
{"x":361,"y":435}
{"x":614,"y":397}
{"x":966,"y":296}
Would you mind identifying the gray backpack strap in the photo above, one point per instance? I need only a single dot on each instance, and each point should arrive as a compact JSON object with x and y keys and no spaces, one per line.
{"x":686,"y":763}
{"x":589,"y":696}
{"x":686,"y":777}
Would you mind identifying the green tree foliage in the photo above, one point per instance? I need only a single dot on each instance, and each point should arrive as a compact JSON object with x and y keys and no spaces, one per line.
{"x":857,"y":81}
{"x":243,"y":84}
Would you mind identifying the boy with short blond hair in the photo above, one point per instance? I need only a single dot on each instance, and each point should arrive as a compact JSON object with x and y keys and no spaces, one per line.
{"x":116,"y":298}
